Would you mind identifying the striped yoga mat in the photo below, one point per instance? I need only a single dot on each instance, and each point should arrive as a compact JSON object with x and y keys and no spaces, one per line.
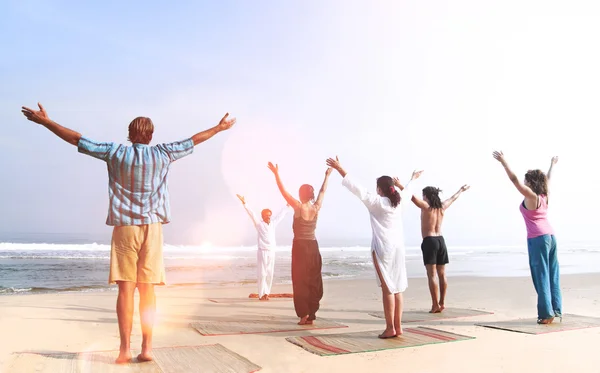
{"x":278,"y":295}
{"x":348,"y":343}
{"x":190,"y":359}
{"x":448,"y":313}
{"x":260,"y":324}
{"x":251,"y":299}
{"x":530,"y":326}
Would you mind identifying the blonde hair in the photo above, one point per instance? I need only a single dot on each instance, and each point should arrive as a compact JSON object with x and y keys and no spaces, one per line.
{"x":140,"y":130}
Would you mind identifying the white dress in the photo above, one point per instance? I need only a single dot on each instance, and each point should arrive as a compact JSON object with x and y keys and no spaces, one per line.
{"x":388,"y":234}
{"x":265,"y":255}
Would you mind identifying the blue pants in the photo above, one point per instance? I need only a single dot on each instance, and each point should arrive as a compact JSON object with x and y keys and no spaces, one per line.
{"x":543,"y":263}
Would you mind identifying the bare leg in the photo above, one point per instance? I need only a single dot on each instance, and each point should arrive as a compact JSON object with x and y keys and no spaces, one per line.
{"x":388,"y":304}
{"x":398,"y":313}
{"x":147,"y":313}
{"x":433,"y":288}
{"x":125,"y":318}
{"x":441,"y":272}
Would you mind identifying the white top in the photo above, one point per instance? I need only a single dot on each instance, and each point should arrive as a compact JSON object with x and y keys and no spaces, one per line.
{"x":388,"y":234}
{"x":266,"y":232}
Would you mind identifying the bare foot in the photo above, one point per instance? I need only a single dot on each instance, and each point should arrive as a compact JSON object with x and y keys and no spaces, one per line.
{"x":442,"y":307}
{"x":309,"y":322}
{"x":388,"y":333}
{"x":398,"y":329}
{"x":144,"y":357}
{"x":266,"y":296}
{"x":435,"y":309}
{"x":304,"y":321}
{"x":124,"y":358}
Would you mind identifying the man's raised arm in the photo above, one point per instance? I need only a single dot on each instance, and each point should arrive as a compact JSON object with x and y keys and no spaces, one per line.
{"x":41,"y":117}
{"x":223,"y":125}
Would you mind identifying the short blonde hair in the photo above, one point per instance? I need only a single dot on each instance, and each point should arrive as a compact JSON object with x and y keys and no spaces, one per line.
{"x":141,"y":130}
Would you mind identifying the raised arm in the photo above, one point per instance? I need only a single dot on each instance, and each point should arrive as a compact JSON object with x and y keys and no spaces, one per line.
{"x":248,"y":210}
{"x":294,"y":203}
{"x":368,"y":199}
{"x":405,"y":191}
{"x":41,"y":117}
{"x":552,"y":163}
{"x":523,"y":189}
{"x":280,"y":215}
{"x":417,"y":201}
{"x":451,"y":200}
{"x":223,"y":125}
{"x":321,"y":195}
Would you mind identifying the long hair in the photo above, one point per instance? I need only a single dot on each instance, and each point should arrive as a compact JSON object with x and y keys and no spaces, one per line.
{"x":433,"y":197}
{"x":386,"y":185}
{"x":141,"y":130}
{"x":537,"y":181}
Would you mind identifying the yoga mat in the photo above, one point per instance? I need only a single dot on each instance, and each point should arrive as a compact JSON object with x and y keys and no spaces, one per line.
{"x":271,"y":296}
{"x":448,"y":313}
{"x":250,"y":299}
{"x":260,"y":324}
{"x":530,"y":326}
{"x":349,"y":343}
{"x":190,"y":359}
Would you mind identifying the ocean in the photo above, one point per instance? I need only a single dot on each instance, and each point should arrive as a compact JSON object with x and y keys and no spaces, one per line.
{"x":41,"y":267}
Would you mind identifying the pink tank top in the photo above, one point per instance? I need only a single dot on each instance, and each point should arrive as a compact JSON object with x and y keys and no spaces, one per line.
{"x":536,"y":220}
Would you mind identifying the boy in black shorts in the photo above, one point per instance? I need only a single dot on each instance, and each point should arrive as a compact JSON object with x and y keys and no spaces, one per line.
{"x":435,"y":253}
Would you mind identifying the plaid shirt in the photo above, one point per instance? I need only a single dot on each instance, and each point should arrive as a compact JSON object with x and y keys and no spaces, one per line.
{"x":137,"y":179}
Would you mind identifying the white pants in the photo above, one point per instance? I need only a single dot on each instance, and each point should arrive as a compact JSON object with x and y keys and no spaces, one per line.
{"x":265,"y":265}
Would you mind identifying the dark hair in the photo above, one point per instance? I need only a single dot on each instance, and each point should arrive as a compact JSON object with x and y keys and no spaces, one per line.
{"x":538,"y":182}
{"x":141,"y":130}
{"x":386,"y":185}
{"x":307,"y":193}
{"x":433,"y":197}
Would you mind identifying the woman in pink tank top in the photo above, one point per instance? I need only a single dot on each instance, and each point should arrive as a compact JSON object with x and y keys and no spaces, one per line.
{"x":541,"y":243}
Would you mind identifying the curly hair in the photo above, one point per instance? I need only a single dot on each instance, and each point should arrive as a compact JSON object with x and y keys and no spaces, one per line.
{"x":537,"y":181}
{"x":433,"y":197}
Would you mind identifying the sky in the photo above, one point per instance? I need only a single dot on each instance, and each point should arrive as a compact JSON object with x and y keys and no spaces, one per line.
{"x":388,"y":86}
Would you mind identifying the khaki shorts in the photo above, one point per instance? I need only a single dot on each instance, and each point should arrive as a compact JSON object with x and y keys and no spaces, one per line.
{"x":136,"y":254}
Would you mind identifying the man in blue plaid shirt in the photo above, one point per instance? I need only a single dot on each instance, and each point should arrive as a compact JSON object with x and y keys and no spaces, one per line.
{"x":138,"y":207}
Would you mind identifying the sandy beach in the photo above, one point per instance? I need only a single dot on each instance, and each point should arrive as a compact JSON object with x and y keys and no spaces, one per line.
{"x":74,"y":322}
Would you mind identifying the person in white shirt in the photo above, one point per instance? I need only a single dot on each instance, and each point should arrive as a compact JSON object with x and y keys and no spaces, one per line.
{"x":387,"y":244}
{"x":265,"y":255}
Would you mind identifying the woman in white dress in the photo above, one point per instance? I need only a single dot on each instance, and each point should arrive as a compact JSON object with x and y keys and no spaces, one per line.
{"x":387,"y":244}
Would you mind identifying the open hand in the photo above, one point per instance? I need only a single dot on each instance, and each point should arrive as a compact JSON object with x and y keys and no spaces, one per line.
{"x":397,"y":183}
{"x":225,"y":123}
{"x":334,"y":163}
{"x":464,"y":188}
{"x":328,"y":171}
{"x":499,"y":156}
{"x":273,"y":168}
{"x":554,"y":160}
{"x":40,"y":116}
{"x":241,"y":199}
{"x":416,"y":174}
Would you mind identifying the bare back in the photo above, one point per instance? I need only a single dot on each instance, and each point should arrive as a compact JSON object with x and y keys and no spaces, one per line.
{"x":306,"y":211}
{"x":431,"y":221}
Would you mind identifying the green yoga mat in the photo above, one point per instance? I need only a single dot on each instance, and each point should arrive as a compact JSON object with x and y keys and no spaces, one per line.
{"x":530,"y":326}
{"x":448,"y":313}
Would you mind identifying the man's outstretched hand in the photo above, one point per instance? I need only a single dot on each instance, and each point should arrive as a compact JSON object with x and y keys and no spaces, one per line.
{"x":241,"y":199}
{"x":225,"y":123}
{"x":37,"y":116}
